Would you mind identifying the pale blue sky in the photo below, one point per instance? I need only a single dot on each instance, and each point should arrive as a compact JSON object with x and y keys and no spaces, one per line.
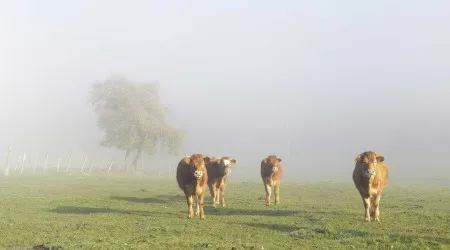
{"x":330,"y":69}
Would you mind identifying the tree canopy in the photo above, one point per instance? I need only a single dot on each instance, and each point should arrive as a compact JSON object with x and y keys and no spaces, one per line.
{"x":132,"y":117}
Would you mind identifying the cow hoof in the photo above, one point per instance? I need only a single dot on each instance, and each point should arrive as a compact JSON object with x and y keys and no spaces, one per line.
{"x":367,"y":220}
{"x":223,"y":205}
{"x":377,"y":219}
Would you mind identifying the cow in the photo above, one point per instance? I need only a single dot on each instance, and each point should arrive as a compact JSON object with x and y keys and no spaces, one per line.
{"x":218,"y":170}
{"x":271,"y":174}
{"x":192,"y":179}
{"x":370,"y":176}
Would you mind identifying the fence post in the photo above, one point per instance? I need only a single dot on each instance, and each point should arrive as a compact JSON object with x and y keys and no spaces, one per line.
{"x":23,"y":163}
{"x":7,"y":161}
{"x":82,"y":167}
{"x":45,"y":162}
{"x":17,"y":163}
{"x":57,"y":165}
{"x":101,"y":165}
{"x":110,"y":165}
{"x":70,"y":162}
{"x":33,"y":166}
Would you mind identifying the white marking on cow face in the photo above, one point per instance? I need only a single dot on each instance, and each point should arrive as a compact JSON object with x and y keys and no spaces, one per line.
{"x":274,"y":169}
{"x":198,"y":174}
{"x":371,"y":168}
{"x":226,"y":162}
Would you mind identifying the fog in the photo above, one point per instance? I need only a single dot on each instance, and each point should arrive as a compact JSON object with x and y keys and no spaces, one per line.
{"x":314,"y":82}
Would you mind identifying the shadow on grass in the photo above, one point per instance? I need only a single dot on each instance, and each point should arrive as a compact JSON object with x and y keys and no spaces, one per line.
{"x":43,"y":247}
{"x":249,"y":212}
{"x":160,"y":199}
{"x":172,"y":198}
{"x":288,"y":228}
{"x":96,"y":210}
{"x":281,"y":228}
{"x":139,"y":200}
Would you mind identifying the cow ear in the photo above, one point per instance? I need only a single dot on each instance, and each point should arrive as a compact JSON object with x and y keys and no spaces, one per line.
{"x":206,"y":159}
{"x":265,"y":160}
{"x":358,"y":158}
{"x":279,"y":159}
{"x":233,"y":161}
{"x":187,"y":159}
{"x":380,"y":158}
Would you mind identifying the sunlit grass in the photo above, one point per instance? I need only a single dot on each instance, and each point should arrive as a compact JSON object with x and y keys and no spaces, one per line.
{"x":85,"y":212}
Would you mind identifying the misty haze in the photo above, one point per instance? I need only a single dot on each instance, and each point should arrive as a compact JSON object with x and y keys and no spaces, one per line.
{"x":315,"y":83}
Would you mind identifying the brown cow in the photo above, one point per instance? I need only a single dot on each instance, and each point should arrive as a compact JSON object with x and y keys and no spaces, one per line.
{"x":218,"y":171}
{"x":271,"y":173}
{"x":192,"y":177}
{"x":370,"y":176}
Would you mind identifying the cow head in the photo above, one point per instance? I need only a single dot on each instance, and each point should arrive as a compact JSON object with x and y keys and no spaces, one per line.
{"x":369,"y":161}
{"x":197,"y":163}
{"x":274,"y":161}
{"x":225,"y":164}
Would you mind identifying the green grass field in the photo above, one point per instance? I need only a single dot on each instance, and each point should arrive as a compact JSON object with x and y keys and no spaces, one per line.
{"x":132,"y":212}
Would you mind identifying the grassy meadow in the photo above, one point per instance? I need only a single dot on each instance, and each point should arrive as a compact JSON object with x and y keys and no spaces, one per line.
{"x":141,"y":212}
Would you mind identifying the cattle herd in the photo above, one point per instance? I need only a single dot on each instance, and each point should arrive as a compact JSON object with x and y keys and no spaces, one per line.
{"x":196,"y":172}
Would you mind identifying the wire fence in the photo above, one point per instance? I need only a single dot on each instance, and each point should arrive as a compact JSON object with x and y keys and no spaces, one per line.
{"x":20,"y":163}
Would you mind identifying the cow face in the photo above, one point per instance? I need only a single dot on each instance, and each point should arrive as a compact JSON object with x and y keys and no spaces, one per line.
{"x":197,"y":164}
{"x":274,"y":161}
{"x":369,"y":161}
{"x":225,"y":165}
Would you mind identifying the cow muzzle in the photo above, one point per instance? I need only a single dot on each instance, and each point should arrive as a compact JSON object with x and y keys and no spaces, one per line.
{"x":371,"y":172}
{"x":227,"y":171}
{"x":274,"y":169}
{"x":198,"y":174}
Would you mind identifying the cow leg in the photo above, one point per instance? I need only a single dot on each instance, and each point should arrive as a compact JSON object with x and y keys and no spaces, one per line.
{"x":217,"y":197}
{"x":217,"y":192}
{"x":200,"y":199}
{"x":212,"y":191}
{"x":366,"y":201}
{"x":190,"y":200}
{"x":222,"y":195}
{"x":372,"y":207}
{"x":276,"y":190}
{"x":268,"y":191}
{"x":376,"y":208}
{"x":197,"y":207}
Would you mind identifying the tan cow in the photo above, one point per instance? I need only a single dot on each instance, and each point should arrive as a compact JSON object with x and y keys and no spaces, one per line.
{"x":271,"y":173}
{"x":370,"y":176}
{"x":218,"y":171}
{"x":192,"y":178}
